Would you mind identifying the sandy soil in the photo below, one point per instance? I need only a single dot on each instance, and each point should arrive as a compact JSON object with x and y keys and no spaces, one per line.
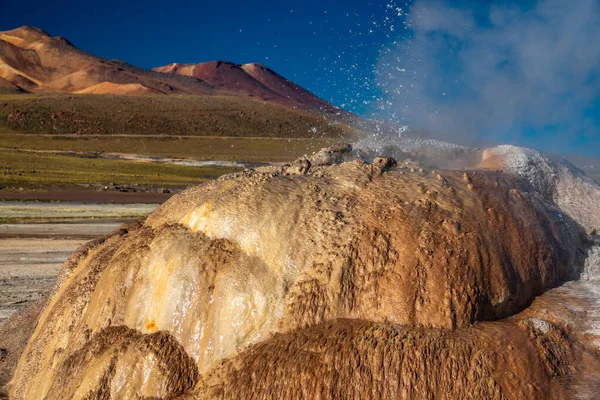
{"x":86,"y":196}
{"x":64,"y":230}
{"x":69,"y":210}
{"x":28,"y":269}
{"x":31,"y":256}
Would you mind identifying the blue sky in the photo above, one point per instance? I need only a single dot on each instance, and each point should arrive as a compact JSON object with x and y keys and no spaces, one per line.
{"x":523,"y":72}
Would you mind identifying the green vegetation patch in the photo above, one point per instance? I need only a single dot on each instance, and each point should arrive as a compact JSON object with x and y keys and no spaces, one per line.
{"x":30,"y":220}
{"x":27,"y":169}
{"x":198,"y":148}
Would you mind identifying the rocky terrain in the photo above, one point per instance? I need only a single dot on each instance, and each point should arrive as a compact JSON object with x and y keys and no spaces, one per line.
{"x":338,"y":276}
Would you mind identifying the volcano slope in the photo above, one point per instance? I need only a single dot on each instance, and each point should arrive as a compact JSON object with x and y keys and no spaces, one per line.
{"x":252,"y":79}
{"x":350,"y":280}
{"x":33,"y":61}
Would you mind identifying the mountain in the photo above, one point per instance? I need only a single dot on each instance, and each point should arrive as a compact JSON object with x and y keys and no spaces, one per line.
{"x":248,"y":79}
{"x":9,"y":87}
{"x":32,"y":60}
{"x":35,"y":61}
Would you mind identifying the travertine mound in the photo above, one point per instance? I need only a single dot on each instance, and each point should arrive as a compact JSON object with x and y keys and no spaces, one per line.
{"x":576,"y":194}
{"x":221,"y":268}
{"x":349,"y":359}
{"x":556,"y":179}
{"x":120,"y":363}
{"x":14,"y":335}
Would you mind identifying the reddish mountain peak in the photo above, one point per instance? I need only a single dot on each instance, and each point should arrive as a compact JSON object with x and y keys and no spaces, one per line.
{"x":259,"y":66}
{"x":215,"y":68}
{"x":28,"y":36}
{"x":252,"y":79}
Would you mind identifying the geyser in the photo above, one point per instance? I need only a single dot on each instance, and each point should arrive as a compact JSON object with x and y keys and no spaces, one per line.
{"x":349,"y":280}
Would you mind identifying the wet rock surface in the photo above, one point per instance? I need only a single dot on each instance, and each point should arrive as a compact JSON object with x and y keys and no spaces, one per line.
{"x":321,"y":279}
{"x":357,"y":359}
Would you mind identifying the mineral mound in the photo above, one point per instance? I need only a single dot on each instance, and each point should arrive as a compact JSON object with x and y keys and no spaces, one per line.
{"x":351,"y":280}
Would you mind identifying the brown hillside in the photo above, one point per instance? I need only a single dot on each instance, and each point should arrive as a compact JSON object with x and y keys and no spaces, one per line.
{"x":35,"y":61}
{"x":186,"y":115}
{"x":32,"y":60}
{"x":7,"y":87}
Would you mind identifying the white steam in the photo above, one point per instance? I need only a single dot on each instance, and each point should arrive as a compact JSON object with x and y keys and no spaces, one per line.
{"x":498,"y":74}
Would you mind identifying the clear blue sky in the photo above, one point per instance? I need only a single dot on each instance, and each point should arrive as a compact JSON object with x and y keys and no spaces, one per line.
{"x":524,"y":72}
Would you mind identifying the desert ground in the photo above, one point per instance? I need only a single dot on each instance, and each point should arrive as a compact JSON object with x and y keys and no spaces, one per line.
{"x":41,"y":236}
{"x":29,"y":265}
